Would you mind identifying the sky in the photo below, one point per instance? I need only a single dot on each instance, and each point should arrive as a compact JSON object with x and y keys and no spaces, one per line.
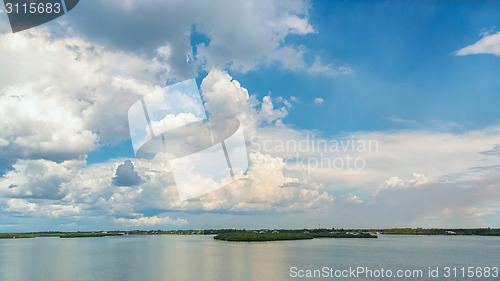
{"x":369,"y":114}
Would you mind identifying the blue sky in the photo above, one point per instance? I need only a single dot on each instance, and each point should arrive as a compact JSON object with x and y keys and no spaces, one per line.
{"x":420,"y":78}
{"x":402,"y":55}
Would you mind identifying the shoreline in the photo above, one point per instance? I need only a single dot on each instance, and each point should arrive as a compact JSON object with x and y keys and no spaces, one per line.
{"x":296,"y":234}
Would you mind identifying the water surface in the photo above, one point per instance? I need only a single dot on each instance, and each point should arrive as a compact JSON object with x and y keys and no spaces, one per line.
{"x":172,"y":257}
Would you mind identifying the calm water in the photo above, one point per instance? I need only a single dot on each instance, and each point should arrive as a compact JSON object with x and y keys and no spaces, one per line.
{"x":166,"y":257}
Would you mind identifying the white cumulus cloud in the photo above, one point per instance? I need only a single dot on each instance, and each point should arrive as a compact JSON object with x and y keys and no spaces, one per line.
{"x":489,"y":44}
{"x":62,"y":99}
{"x":318,"y":100}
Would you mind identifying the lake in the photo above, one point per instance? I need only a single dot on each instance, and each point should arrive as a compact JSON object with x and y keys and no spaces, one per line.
{"x":172,"y":257}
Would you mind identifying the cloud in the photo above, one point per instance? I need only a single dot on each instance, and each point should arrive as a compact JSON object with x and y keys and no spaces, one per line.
{"x":440,"y":175}
{"x":319,"y":68}
{"x":225,"y":96}
{"x":259,"y":38}
{"x":54,"y":101}
{"x":353,"y":198}
{"x":149,"y":221}
{"x":268,"y":113}
{"x":69,"y":188}
{"x":23,"y":207}
{"x":82,"y":82}
{"x":126,"y":175}
{"x":38,"y":178}
{"x":428,"y":200}
{"x":495,"y":151}
{"x":405,"y":121}
{"x":318,"y":101}
{"x":69,"y":95}
{"x":4,"y":142}
{"x":266,"y":188}
{"x":20,"y":205}
{"x":489,"y":44}
{"x":415,"y":180}
{"x":173,"y":121}
{"x":298,"y":25}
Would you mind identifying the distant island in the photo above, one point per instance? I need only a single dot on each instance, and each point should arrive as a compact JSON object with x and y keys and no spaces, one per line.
{"x":267,"y":234}
{"x":440,"y":231}
{"x":277,"y":236}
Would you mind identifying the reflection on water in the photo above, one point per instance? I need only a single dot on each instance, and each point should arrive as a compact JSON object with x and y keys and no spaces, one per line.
{"x":168,"y":257}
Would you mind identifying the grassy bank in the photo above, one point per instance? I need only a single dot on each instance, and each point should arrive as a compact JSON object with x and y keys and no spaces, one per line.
{"x":60,"y":235}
